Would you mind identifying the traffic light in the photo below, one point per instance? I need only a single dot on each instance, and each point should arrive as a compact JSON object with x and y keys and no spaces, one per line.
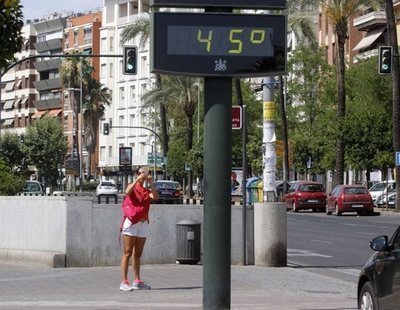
{"x":385,"y":60}
{"x":130,"y":60}
{"x":106,"y":129}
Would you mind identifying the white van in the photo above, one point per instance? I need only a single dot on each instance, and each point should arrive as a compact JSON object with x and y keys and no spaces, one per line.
{"x":380,"y":188}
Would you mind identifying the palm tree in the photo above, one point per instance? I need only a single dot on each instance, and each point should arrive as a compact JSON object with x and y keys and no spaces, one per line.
{"x":141,"y":28}
{"x":93,"y":111}
{"x":75,"y":72}
{"x":339,"y":13}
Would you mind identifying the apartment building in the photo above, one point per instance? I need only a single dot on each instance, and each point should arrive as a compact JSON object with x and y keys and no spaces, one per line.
{"x":17,"y":90}
{"x":126,"y":108}
{"x":81,"y":35}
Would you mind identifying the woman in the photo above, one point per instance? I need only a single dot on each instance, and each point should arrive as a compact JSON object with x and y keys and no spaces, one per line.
{"x":135,"y":234}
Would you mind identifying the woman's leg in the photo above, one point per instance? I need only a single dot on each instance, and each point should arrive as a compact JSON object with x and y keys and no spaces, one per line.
{"x":129,"y":242}
{"x":137,"y":254}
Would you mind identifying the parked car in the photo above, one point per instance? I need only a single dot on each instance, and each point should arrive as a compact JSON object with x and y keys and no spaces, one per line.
{"x":107,"y":188}
{"x":168,"y":191}
{"x":380,"y":201}
{"x":378,"y":282}
{"x":380,"y":188}
{"x":349,"y":198}
{"x":33,"y":187}
{"x":305,"y":195}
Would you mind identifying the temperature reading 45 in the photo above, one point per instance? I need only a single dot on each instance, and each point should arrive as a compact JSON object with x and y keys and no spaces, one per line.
{"x":220,"y":41}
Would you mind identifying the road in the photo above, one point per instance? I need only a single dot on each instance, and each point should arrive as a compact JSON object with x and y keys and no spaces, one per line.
{"x":334,"y":246}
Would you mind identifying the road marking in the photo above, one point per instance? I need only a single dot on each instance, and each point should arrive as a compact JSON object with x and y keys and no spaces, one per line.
{"x":321,"y":241}
{"x":297,"y":252}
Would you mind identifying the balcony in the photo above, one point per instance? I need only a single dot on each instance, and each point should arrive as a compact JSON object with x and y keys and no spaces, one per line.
{"x":47,"y":84}
{"x":370,"y":21}
{"x":47,"y":65}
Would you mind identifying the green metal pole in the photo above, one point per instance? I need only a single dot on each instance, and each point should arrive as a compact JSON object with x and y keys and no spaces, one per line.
{"x":217,"y":199}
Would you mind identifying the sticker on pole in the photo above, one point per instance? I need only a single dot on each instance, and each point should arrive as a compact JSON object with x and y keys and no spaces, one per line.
{"x":237,"y":117}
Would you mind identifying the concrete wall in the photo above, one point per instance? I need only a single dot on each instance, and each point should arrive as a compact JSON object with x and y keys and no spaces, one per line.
{"x":78,"y":232}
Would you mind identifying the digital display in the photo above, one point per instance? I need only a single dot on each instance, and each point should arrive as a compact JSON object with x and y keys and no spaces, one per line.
{"x":218,"y":44}
{"x":277,"y":4}
{"x":220,"y":41}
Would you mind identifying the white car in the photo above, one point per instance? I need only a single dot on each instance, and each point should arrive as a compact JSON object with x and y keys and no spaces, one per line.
{"x":380,"y":188}
{"x":107,"y":188}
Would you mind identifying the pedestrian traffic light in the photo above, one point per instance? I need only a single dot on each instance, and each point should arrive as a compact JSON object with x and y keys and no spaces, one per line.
{"x":106,"y":129}
{"x":385,"y":60}
{"x":130,"y":60}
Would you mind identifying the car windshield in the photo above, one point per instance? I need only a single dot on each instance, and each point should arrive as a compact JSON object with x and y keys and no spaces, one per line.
{"x":311,"y":188}
{"x":107,"y":184}
{"x":168,"y":185}
{"x":32,"y":187}
{"x":378,"y":187}
{"x":355,"y":191}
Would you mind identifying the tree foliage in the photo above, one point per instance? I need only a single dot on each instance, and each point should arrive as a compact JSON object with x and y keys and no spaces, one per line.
{"x":46,"y":146}
{"x":11,"y":21}
{"x":11,"y":151}
{"x":10,"y":184}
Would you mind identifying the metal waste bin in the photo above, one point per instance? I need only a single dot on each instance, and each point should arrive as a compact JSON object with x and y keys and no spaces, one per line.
{"x":188,"y":242}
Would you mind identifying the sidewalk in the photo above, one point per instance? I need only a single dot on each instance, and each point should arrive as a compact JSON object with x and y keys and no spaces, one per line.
{"x":24,"y":286}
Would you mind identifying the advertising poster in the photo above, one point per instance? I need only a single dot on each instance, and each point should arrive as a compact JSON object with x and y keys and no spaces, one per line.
{"x":125,"y":156}
{"x":236,"y":181}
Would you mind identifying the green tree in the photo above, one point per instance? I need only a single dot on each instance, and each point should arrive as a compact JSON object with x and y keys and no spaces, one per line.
{"x":309,"y":74}
{"x":96,"y":97}
{"x":367,"y":130}
{"x":11,"y":151}
{"x":46,"y":146}
{"x":339,"y":13}
{"x":10,"y":184}
{"x":11,"y":21}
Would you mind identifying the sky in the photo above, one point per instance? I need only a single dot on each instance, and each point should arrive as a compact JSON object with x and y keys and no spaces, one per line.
{"x":38,"y":8}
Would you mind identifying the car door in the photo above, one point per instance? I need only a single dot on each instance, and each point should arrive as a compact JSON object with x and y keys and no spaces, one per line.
{"x":289,"y":196}
{"x":388,"y":276}
{"x":331,"y":199}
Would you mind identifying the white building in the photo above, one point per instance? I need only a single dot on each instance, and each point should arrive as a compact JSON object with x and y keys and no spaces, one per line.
{"x":126,"y":90}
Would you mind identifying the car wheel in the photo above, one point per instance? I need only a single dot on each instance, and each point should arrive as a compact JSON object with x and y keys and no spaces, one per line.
{"x":294,"y":209}
{"x":367,"y":299}
{"x":337,"y":212}
{"x":327,"y":210}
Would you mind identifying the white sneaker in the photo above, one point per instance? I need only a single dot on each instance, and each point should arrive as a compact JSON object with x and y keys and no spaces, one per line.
{"x":140,"y":285}
{"x":125,"y":286}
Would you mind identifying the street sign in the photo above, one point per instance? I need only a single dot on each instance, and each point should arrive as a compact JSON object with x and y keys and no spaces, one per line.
{"x":237,"y":117}
{"x":397,"y":158}
{"x":259,"y":4}
{"x":218,"y":44}
{"x":150,"y":159}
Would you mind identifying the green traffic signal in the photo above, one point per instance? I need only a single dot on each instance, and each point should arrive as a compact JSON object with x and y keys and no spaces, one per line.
{"x":385,"y":60}
{"x":106,"y":129}
{"x":130,"y":60}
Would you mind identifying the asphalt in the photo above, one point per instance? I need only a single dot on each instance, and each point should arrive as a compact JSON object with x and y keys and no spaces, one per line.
{"x":29,"y":286}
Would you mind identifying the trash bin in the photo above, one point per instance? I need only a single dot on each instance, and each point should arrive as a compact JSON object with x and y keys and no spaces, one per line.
{"x":188,"y":242}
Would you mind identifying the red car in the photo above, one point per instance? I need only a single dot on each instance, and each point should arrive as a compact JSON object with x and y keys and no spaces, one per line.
{"x":305,"y":195}
{"x":349,"y":198}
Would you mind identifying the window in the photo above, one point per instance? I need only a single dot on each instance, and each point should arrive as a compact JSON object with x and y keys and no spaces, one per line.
{"x":111,"y":69}
{"x":111,"y":44}
{"x":102,"y":153}
{"x":143,"y":89}
{"x":103,"y":71}
{"x":143,"y":66}
{"x":75,"y":37}
{"x":110,"y":154}
{"x":103,"y":46}
{"x":87,"y":36}
{"x":131,"y":123}
{"x":132,"y":91}
{"x":123,"y":10}
{"x":122,"y":96}
{"x":120,"y":67}
{"x":121,"y":122}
